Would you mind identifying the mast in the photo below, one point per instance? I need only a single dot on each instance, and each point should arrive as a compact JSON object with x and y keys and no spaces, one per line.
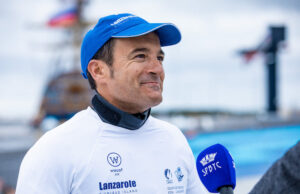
{"x":269,"y":47}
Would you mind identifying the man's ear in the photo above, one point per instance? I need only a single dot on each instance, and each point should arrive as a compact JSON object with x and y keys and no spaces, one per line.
{"x":98,"y":70}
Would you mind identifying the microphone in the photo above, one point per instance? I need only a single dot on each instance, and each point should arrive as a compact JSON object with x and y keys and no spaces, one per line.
{"x":216,"y":169}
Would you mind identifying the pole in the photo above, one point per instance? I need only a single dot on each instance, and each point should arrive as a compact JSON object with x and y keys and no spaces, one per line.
{"x":271,"y":65}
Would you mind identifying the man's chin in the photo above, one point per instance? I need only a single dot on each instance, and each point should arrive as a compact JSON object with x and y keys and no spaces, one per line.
{"x":156,"y":100}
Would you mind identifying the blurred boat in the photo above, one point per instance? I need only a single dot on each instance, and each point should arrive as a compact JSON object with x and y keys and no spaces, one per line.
{"x":65,"y":95}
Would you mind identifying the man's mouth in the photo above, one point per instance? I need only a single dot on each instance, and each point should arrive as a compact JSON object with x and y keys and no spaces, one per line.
{"x":152,"y":84}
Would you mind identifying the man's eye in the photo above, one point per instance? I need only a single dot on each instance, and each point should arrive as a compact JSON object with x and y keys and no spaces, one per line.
{"x":160,"y":58}
{"x":141,"y":56}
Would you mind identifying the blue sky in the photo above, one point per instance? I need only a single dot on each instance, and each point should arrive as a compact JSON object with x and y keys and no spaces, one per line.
{"x":202,"y":72}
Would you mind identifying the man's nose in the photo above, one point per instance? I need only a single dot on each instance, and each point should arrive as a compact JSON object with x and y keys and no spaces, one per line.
{"x":156,"y":67}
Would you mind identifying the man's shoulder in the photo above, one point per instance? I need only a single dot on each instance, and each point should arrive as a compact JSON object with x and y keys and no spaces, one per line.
{"x":80,"y":124}
{"x":166,"y":127}
{"x":173,"y":135}
{"x":158,"y":123}
{"x":73,"y":135}
{"x":84,"y":119}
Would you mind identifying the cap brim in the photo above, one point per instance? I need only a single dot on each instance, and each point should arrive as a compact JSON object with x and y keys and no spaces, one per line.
{"x":168,"y":34}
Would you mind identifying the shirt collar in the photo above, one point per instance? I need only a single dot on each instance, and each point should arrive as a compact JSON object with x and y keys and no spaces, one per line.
{"x":112,"y":115}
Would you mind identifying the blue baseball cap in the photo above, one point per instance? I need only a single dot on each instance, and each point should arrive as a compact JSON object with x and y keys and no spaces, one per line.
{"x":123,"y":26}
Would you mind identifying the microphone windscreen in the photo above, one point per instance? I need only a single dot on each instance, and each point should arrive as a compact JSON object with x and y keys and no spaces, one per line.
{"x":216,"y":168}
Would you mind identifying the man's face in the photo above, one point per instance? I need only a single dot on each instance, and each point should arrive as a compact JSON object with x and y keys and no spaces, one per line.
{"x":136,"y":80}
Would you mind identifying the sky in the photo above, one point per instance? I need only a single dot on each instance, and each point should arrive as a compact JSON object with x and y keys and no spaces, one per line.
{"x":203,"y":72}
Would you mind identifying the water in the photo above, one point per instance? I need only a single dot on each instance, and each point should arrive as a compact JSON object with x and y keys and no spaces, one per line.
{"x":253,"y":150}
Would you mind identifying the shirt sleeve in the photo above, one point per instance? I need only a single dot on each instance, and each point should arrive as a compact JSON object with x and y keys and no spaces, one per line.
{"x":43,"y":170}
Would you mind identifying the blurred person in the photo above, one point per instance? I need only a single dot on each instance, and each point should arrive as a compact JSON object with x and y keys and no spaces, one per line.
{"x":6,"y":189}
{"x":116,"y":146}
{"x":283,"y":176}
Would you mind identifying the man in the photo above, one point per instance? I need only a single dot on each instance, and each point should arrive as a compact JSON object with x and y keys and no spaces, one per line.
{"x":116,"y":146}
{"x":283,"y":176}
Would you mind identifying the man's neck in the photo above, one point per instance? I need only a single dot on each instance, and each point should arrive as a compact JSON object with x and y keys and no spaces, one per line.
{"x":112,"y":115}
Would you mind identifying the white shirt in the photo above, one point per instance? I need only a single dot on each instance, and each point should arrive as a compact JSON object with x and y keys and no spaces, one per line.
{"x":87,"y":156}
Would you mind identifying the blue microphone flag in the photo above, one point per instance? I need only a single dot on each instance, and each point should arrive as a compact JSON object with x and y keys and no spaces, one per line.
{"x":216,"y":168}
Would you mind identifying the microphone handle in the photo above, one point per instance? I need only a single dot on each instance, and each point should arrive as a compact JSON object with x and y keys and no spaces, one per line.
{"x":226,"y":190}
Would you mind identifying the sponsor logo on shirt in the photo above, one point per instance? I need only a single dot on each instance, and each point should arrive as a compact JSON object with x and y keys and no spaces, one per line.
{"x":117,"y":185}
{"x":179,"y":174}
{"x":168,"y":175}
{"x":114,"y":159}
{"x":174,"y":186}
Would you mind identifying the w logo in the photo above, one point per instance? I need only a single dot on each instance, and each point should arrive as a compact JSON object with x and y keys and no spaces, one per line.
{"x":114,"y":159}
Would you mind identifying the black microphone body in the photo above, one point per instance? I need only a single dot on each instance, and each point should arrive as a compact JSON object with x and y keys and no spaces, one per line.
{"x":226,"y":190}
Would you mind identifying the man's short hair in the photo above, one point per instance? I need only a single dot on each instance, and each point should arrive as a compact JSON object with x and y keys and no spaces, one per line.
{"x":105,"y":54}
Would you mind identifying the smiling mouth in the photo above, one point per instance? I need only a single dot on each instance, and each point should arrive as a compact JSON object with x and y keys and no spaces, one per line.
{"x":150,"y":83}
{"x":153,"y":85}
{"x":156,"y":83}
